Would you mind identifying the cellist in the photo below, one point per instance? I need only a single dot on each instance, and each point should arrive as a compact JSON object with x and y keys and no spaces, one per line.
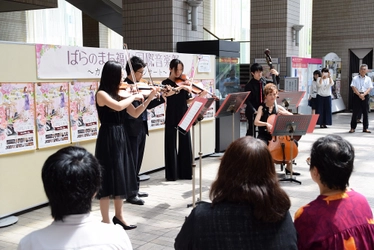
{"x":267,"y":108}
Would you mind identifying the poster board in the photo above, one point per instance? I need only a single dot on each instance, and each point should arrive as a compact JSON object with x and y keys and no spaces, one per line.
{"x":17,"y":120}
{"x":84,"y":121}
{"x":52,"y":114}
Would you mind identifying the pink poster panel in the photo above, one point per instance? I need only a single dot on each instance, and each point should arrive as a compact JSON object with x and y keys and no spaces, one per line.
{"x":83,"y":115}
{"x":17,"y":118}
{"x":52,"y":116}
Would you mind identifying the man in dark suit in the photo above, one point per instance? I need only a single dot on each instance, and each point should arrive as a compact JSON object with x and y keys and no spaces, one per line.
{"x":137,"y":128}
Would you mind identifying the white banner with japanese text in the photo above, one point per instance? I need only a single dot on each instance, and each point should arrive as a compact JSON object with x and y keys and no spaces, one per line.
{"x":71,"y":62}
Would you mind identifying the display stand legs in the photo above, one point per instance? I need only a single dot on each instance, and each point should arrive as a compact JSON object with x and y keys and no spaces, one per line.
{"x":193,"y":169}
{"x":200,"y":164}
{"x":7,"y":221}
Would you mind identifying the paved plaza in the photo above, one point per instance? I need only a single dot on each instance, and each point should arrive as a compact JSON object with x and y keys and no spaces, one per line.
{"x":160,"y":219}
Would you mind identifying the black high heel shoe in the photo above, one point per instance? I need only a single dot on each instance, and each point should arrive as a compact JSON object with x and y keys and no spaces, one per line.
{"x":288,"y":172}
{"x":117,"y":221}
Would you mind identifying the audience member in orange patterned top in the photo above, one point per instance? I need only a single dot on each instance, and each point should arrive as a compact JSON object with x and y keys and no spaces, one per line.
{"x":339,"y":218}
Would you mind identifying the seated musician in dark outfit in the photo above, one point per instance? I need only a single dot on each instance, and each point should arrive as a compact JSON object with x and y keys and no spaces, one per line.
{"x":267,"y":108}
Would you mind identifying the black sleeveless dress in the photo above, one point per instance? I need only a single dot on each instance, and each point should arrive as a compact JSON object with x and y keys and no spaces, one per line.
{"x":113,"y":152}
{"x":263,"y":134}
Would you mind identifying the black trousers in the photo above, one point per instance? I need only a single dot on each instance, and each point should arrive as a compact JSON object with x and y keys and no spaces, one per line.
{"x":251,"y":130}
{"x":360,"y":106}
{"x":178,"y":161}
{"x":137,"y":148}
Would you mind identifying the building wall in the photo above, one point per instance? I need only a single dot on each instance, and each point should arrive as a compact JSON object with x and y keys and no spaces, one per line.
{"x":271,"y":27}
{"x":339,"y":26}
{"x":158,"y":25}
{"x":91,"y":34}
{"x":13,"y":26}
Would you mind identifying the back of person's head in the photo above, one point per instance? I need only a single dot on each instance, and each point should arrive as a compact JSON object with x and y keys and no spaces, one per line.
{"x":247,"y":175}
{"x":111,"y":76}
{"x":136,"y":63}
{"x":256,"y":67}
{"x":270,"y":88}
{"x":333,"y":156}
{"x":71,"y":177}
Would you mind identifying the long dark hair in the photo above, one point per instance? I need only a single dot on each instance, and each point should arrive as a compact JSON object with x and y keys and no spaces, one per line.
{"x":317,"y":72}
{"x":110,"y":78}
{"x":247,"y":175}
{"x":174,"y":65}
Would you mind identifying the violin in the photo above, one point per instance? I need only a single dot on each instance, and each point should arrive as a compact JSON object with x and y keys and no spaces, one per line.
{"x":195,"y":88}
{"x":125,"y":90}
{"x":182,"y":80}
{"x":280,"y":146}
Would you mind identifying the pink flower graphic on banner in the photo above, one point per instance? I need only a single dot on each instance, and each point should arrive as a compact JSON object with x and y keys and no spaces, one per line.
{"x":2,"y":135}
{"x":77,"y":87}
{"x":40,"y":49}
{"x":6,"y":89}
{"x":40,"y":109}
{"x":44,"y":88}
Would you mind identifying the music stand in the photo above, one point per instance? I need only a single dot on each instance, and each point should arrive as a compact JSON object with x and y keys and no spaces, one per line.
{"x":184,"y":126}
{"x":231,"y":105}
{"x":290,"y":125}
{"x":199,"y":119}
{"x":292,"y":99}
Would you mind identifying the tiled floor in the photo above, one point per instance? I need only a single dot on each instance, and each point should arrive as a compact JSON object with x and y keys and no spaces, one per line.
{"x":160,"y":219}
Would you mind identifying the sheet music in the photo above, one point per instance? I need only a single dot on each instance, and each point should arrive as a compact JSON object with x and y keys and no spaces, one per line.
{"x":190,"y":115}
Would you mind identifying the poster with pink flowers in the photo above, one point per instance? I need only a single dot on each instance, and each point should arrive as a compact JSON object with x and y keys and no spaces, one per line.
{"x":52,"y":116}
{"x":17,"y":120}
{"x":83,"y":114}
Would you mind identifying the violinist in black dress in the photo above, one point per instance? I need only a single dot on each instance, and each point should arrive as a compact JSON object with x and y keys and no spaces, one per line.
{"x":178,"y":160}
{"x":112,"y":144}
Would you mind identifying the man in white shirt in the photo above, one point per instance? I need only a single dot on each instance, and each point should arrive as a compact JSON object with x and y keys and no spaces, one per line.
{"x":361,"y":86}
{"x":71,"y":177}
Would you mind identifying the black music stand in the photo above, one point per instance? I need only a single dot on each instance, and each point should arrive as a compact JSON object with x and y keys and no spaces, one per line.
{"x":184,"y":126}
{"x":199,"y":119}
{"x":292,"y":99}
{"x":290,"y":125}
{"x":231,"y":105}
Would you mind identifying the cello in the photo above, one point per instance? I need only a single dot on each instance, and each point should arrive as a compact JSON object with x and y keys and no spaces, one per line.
{"x":282,"y":148}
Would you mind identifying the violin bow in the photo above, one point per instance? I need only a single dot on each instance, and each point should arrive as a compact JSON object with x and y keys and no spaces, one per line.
{"x":125,"y":47}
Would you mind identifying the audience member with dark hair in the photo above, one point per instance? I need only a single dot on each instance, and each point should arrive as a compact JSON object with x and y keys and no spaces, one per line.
{"x":339,"y":218}
{"x":249,"y":209}
{"x":71,"y":178}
